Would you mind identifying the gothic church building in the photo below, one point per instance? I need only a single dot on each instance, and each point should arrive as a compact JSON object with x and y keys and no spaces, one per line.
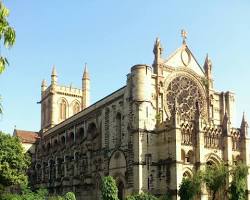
{"x":164,"y":124}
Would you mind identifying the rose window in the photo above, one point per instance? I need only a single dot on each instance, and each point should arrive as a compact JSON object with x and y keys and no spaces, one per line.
{"x":185,"y":93}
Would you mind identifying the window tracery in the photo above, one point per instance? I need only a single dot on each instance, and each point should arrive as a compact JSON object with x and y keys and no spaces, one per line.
{"x":182,"y":92}
{"x":76,"y":107}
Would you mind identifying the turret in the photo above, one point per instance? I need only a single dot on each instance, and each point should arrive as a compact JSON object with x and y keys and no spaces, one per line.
{"x":54,"y":76}
{"x":85,"y":88}
{"x":157,"y":55}
{"x":44,"y":85}
{"x":142,"y":82}
{"x":244,"y":126}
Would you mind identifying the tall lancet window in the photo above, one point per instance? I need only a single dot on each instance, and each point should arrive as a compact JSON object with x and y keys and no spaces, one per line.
{"x":118,"y":129}
{"x":76,"y":107}
{"x":63,"y":109}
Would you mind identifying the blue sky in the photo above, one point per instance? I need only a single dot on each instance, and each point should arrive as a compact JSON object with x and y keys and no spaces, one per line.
{"x":112,"y":36}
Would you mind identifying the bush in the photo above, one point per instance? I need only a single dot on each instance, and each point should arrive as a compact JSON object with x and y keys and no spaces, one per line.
{"x":109,"y":189}
{"x":70,"y":196}
{"x":55,"y":198}
{"x":142,"y":196}
{"x":26,"y":194}
{"x":167,"y":196}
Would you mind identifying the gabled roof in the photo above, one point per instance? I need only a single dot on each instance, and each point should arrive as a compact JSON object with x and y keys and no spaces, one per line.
{"x":26,"y":136}
{"x":183,"y":57}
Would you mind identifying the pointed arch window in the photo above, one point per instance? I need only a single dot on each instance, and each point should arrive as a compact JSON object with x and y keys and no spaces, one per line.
{"x":76,"y":107}
{"x":63,"y":109}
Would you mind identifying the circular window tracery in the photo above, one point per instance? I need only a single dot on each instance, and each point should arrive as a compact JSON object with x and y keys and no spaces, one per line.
{"x":184,"y":92}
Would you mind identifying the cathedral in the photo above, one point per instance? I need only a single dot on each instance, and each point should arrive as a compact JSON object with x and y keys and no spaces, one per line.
{"x":163,"y":125}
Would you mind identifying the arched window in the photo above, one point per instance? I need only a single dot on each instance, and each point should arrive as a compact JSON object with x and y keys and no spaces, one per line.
{"x":76,"y":107}
{"x":63,"y":140}
{"x":190,"y":157}
{"x":118,"y":129}
{"x":71,"y":137}
{"x":81,"y":133}
{"x":63,"y":109}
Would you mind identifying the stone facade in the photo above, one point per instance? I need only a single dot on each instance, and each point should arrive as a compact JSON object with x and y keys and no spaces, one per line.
{"x":165,"y":123}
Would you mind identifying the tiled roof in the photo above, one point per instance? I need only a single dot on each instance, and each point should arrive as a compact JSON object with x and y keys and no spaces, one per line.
{"x":26,"y":136}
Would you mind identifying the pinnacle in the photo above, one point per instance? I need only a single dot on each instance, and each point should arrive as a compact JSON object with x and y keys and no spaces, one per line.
{"x":85,"y":73}
{"x":54,"y":71}
{"x":44,"y":83}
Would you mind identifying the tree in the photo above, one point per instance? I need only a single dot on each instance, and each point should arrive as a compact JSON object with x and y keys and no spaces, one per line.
{"x":70,"y":196}
{"x":237,"y":189}
{"x":7,"y":33}
{"x":8,"y":37}
{"x":13,"y":161}
{"x":190,"y":187}
{"x":215,"y":178}
{"x":142,"y":196}
{"x":109,"y":189}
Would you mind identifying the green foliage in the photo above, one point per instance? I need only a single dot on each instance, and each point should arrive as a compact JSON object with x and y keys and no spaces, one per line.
{"x":26,"y":194}
{"x":1,"y":107}
{"x":238,"y":185}
{"x":7,"y":33}
{"x":142,"y":196}
{"x":190,"y":187}
{"x":70,"y":196}
{"x":215,"y":178}
{"x":55,"y":198}
{"x":13,"y":161}
{"x":109,"y":189}
{"x":167,"y":196}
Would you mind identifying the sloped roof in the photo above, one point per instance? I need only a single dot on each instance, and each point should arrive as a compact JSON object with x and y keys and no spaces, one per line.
{"x":176,"y":60}
{"x":26,"y":136}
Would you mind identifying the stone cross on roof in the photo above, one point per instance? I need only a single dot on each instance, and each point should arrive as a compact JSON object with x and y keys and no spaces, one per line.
{"x":184,"y":36}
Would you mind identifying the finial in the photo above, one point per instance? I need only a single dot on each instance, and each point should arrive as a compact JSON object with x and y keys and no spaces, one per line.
{"x":184,"y":36}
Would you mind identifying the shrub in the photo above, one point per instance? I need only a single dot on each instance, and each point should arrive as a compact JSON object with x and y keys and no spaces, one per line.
{"x":142,"y":196}
{"x":109,"y":189}
{"x":70,"y":196}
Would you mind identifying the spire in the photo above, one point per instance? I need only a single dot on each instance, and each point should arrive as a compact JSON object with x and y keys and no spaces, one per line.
{"x":85,"y":73}
{"x":208,"y":71}
{"x":54,"y":76}
{"x":243,"y":121}
{"x":208,"y":65}
{"x":158,"y":48}
{"x":85,"y":88}
{"x":157,"y":55}
{"x":244,"y":125}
